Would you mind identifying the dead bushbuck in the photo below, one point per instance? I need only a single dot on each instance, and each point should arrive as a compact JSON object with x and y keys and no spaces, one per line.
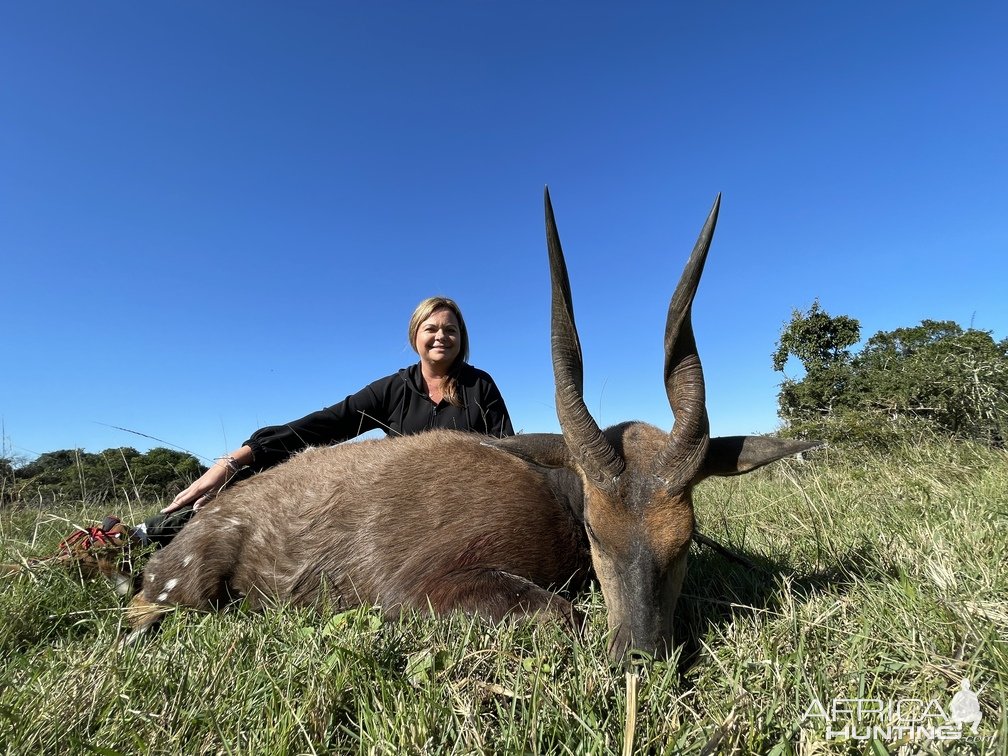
{"x":456,"y":521}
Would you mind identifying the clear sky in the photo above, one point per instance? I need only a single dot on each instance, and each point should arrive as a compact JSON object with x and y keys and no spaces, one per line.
{"x":218,"y":216}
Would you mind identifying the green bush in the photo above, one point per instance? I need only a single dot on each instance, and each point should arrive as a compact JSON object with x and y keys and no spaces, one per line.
{"x":110,"y":475}
{"x":935,"y":378}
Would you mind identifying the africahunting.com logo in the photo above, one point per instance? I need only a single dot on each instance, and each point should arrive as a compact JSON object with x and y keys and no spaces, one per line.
{"x":896,"y":718}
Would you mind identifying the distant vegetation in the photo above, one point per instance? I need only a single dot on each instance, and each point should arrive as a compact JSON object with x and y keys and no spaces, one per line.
{"x":114,"y":474}
{"x":936,"y":378}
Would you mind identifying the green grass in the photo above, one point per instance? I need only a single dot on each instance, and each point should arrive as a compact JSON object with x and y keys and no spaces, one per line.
{"x":878,"y":577}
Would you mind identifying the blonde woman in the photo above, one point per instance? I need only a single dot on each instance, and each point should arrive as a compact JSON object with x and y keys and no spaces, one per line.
{"x":442,"y":390}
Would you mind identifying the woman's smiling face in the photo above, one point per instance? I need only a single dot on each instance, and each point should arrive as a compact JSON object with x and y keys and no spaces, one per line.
{"x":437,"y":339}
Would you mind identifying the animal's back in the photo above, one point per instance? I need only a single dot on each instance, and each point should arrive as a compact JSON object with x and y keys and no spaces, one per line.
{"x":437,"y":518}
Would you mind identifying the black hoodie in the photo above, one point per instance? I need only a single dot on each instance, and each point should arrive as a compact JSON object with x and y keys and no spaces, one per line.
{"x":398,"y":405}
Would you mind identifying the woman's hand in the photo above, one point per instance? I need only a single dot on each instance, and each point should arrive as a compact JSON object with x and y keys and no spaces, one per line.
{"x":201,"y":489}
{"x":210,"y":482}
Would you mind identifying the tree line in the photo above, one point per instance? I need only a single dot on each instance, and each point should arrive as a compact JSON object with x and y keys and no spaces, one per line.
{"x":113,"y":474}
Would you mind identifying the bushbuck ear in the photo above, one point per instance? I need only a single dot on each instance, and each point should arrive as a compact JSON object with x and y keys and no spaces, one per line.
{"x":735,"y":455}
{"x":543,"y":449}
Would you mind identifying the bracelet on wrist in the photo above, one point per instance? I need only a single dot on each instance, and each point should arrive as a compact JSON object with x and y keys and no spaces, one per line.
{"x":230,"y":463}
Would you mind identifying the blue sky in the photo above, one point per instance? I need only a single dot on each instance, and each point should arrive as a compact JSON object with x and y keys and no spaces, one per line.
{"x":218,"y":216}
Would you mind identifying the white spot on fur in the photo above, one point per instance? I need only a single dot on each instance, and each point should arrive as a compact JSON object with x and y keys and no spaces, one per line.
{"x":170,"y":584}
{"x":233,"y":522}
{"x":162,"y":597}
{"x":187,"y":560}
{"x":150,"y":577}
{"x":123,"y":584}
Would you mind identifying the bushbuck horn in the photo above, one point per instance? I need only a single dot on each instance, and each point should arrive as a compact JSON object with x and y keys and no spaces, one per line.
{"x":684,"y":380}
{"x":590,"y":448}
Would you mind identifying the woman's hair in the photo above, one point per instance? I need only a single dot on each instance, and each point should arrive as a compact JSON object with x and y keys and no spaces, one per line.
{"x":423,"y":311}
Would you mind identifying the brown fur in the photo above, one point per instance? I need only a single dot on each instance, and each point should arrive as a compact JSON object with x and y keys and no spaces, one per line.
{"x":437,"y":519}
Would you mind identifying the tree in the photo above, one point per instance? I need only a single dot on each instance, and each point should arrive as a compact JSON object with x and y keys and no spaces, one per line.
{"x":49,"y":467}
{"x":817,"y":339}
{"x":111,"y":474}
{"x":166,"y":470}
{"x":6,"y":480}
{"x":821,"y":343}
{"x":938,"y":375}
{"x":955,"y":379}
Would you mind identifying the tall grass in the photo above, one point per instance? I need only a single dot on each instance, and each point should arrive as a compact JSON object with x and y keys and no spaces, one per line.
{"x":877,"y":577}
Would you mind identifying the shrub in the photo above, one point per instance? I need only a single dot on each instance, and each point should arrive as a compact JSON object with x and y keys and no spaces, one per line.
{"x":936,"y":377}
